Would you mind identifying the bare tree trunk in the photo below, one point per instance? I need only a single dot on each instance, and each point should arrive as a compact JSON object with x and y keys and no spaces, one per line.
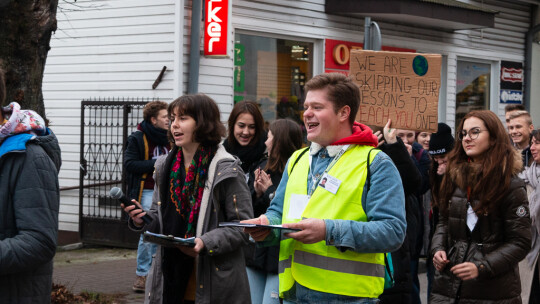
{"x":25,"y":33}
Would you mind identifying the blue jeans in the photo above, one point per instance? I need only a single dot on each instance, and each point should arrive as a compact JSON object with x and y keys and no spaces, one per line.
{"x":301,"y":294}
{"x":145,"y":250}
{"x":264,"y":286}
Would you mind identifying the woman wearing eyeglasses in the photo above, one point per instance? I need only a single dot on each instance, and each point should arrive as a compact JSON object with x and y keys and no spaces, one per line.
{"x":484,"y":224}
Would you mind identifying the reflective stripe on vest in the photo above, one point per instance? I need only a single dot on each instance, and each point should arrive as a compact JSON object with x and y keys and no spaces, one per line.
{"x":325,"y":268}
{"x":332,"y":264}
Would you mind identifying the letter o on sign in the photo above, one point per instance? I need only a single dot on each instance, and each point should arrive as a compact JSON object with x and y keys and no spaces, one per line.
{"x":341,"y":54}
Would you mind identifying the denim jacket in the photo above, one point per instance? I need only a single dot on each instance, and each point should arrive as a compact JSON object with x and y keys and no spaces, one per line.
{"x":384,"y":206}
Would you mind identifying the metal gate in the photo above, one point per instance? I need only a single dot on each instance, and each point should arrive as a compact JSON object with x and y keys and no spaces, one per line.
{"x":105,"y":127}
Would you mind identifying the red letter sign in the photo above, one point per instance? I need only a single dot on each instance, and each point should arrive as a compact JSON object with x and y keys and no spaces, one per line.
{"x":216,"y":18}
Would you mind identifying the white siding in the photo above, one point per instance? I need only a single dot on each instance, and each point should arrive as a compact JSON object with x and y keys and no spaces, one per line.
{"x":104,"y":48}
{"x":307,"y":19}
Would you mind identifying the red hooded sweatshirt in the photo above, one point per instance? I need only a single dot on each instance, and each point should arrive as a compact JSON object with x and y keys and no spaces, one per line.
{"x":362,"y":135}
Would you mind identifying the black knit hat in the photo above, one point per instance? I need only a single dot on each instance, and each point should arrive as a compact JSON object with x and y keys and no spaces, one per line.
{"x":441,"y":142}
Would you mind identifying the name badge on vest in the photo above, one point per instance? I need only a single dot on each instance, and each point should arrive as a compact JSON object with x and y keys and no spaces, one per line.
{"x":297,"y":206}
{"x":330,"y":183}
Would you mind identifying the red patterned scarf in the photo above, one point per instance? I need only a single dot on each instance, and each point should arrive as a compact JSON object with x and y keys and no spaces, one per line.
{"x":187,"y":196}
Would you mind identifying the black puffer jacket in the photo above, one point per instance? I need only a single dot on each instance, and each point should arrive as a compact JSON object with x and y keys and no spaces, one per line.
{"x":29,"y":203}
{"x":497,"y":243}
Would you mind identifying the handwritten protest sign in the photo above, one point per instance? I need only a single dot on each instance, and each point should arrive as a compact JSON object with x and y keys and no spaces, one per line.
{"x":403,"y":87}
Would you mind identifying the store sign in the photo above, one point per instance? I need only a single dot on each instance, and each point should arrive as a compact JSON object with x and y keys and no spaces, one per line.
{"x":511,"y":75}
{"x":216,"y":20}
{"x":511,"y":82}
{"x":403,"y":87}
{"x":337,"y":54}
{"x":511,"y":96}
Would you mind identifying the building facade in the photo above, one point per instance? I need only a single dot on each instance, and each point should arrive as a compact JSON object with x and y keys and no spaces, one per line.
{"x":117,"y":48}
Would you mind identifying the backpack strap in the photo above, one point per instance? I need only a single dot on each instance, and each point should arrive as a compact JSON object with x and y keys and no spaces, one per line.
{"x":368,"y":178}
{"x":298,"y":158}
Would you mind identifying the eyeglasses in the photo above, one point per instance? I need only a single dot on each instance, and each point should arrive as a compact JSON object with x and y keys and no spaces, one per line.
{"x":473,"y":133}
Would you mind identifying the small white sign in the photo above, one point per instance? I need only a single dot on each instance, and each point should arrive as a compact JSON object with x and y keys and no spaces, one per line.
{"x":297,"y":206}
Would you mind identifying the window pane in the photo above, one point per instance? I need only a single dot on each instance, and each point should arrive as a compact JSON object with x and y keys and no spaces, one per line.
{"x":473,"y":80}
{"x":272,"y":72}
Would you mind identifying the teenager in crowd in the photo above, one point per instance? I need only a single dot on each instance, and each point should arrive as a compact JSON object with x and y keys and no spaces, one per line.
{"x":144,"y":146}
{"x":520,"y":128}
{"x":423,"y":139}
{"x":511,"y":108}
{"x":402,"y":292}
{"x":284,"y":137}
{"x":338,"y":256}
{"x":421,"y":159}
{"x":246,"y":135}
{"x":440,"y":145}
{"x":484,"y":224}
{"x":198,"y":185}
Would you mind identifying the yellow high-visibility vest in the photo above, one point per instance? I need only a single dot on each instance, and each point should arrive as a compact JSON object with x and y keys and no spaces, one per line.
{"x":318,"y":266}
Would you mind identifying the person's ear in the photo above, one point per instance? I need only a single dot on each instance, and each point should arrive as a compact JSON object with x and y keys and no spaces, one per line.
{"x":153,"y":120}
{"x":344,"y":113}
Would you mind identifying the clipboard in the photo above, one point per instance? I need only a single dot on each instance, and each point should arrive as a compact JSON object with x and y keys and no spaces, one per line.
{"x":167,"y":240}
{"x":246,"y":225}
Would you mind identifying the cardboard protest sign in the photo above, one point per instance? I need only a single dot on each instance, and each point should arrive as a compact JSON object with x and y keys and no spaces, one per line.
{"x":403,"y":87}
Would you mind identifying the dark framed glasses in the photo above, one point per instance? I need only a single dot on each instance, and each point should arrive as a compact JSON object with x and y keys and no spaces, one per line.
{"x":473,"y":133}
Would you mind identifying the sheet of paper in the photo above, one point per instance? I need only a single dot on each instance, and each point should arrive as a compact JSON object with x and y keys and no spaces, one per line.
{"x":297,"y":206}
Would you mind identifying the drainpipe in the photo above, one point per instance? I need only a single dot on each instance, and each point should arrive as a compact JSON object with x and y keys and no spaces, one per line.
{"x":194,"y":52}
{"x":528,"y":63}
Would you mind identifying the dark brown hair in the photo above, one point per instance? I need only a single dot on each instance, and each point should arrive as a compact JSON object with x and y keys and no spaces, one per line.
{"x":340,"y":89}
{"x":152,"y":109}
{"x":493,"y":180}
{"x":514,"y":107}
{"x":205,"y":112}
{"x":287,"y":139}
{"x":249,"y":107}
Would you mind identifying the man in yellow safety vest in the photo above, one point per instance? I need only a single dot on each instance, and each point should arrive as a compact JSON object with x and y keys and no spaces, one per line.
{"x":338,"y":256}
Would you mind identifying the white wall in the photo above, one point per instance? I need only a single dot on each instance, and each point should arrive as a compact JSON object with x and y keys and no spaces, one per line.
{"x":104,"y":48}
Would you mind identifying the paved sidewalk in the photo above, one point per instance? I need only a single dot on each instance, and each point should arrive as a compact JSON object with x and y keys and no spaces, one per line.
{"x":112,"y":271}
{"x":99,"y":270}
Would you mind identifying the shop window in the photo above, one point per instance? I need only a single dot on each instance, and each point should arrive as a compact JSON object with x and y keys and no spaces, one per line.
{"x":272,"y":72}
{"x":473,"y":87}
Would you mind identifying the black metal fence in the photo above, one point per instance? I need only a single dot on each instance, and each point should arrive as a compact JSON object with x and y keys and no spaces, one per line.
{"x":105,"y":127}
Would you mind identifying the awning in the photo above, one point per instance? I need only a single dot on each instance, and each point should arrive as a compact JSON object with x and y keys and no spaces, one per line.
{"x":442,"y":14}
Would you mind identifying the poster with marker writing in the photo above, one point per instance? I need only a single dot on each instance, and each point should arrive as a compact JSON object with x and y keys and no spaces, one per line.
{"x":404,"y":87}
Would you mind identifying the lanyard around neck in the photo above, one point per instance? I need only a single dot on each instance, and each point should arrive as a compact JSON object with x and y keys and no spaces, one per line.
{"x":332,"y":163}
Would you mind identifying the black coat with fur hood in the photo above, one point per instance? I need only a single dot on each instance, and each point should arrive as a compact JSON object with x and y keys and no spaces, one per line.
{"x":499,"y":240}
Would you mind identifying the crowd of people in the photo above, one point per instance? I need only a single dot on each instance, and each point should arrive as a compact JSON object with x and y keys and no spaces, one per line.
{"x":359,"y":201}
{"x":343,"y":217}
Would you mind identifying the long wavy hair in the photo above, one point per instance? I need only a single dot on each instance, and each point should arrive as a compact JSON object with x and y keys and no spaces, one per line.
{"x":492,"y":177}
{"x":287,"y":139}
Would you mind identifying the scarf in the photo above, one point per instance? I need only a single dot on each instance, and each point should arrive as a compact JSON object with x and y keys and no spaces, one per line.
{"x":156,"y":135}
{"x":187,"y":195}
{"x":531,"y":176}
{"x":19,"y":121}
{"x":249,"y":155}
